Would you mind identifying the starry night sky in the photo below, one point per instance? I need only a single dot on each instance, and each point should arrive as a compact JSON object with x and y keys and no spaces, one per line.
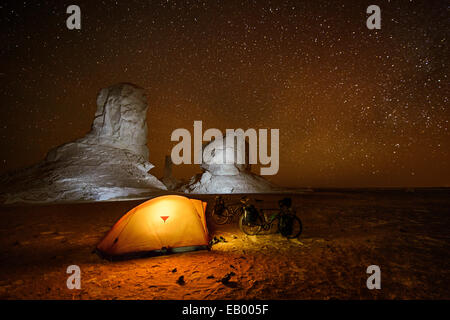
{"x":355,"y":107}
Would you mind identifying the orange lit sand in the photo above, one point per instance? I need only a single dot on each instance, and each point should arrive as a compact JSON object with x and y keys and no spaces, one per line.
{"x":406,"y":234}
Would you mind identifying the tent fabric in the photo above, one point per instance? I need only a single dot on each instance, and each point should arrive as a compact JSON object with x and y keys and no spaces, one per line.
{"x":162,"y":223}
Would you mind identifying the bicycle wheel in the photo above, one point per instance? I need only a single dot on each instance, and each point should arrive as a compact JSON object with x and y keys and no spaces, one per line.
{"x":292,"y":231}
{"x":235,"y":212}
{"x":250,"y":229}
{"x":221,"y":217}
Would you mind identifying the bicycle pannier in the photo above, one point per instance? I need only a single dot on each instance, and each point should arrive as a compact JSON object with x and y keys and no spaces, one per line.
{"x":286,"y":225}
{"x":250,"y":215}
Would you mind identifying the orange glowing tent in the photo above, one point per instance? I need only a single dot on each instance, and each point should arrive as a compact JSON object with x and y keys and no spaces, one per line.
{"x":169,"y":223}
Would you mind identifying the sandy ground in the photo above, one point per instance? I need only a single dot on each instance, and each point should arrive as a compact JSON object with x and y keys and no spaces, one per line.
{"x":405,"y":233}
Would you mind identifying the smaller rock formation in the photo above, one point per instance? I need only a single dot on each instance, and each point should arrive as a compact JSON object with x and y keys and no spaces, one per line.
{"x":110,"y":162}
{"x":168,"y":179}
{"x":223,"y":176}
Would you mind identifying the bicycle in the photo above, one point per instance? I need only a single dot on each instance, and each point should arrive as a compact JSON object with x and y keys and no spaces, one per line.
{"x":222,"y":213}
{"x":253,"y":221}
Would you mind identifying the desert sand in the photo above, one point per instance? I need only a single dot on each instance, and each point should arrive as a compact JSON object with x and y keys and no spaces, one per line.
{"x":405,"y":233}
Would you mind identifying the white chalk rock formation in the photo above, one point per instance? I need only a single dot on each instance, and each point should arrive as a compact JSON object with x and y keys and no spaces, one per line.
{"x":109,"y":163}
{"x":222,"y":175}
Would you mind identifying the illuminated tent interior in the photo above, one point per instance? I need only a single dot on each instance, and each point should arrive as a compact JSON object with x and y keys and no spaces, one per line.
{"x":169,"y":223}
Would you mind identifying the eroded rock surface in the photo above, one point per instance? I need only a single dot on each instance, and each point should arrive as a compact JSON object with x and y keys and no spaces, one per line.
{"x":110,"y":162}
{"x":220,"y":175}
